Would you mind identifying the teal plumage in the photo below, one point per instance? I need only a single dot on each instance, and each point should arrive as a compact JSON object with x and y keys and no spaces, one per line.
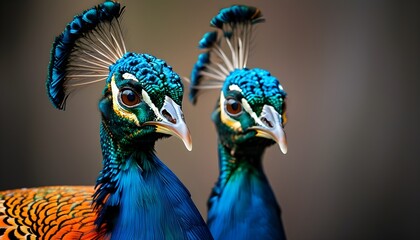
{"x":249,"y":117}
{"x":136,"y":196}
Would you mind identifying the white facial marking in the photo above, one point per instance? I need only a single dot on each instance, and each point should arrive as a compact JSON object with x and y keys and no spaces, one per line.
{"x":168,"y":104}
{"x":281,"y":88}
{"x":235,"y":87}
{"x":148,"y":101}
{"x":251,"y":112}
{"x":129,"y":76}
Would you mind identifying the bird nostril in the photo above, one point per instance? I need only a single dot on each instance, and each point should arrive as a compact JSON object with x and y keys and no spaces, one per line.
{"x":168,"y":116}
{"x":266,"y":122}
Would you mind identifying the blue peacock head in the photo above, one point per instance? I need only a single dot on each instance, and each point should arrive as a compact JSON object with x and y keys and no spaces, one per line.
{"x":251,"y":110}
{"x":142,"y":97}
{"x":142,"y":100}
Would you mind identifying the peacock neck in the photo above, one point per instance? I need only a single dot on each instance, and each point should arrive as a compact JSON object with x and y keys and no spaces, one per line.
{"x":138,"y":197}
{"x":243,"y":197}
{"x":234,"y":159}
{"x":120,"y":187}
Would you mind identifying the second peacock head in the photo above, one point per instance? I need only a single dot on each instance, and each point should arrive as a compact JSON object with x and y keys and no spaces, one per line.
{"x":251,"y":112}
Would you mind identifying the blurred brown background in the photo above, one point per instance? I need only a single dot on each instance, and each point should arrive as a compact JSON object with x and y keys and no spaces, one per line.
{"x":351,"y":69}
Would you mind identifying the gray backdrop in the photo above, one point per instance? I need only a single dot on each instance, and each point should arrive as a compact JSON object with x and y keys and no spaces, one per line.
{"x":350,"y":69}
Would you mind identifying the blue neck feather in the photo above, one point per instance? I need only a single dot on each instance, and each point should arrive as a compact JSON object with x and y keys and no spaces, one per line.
{"x":138,"y":197}
{"x":242,"y":204}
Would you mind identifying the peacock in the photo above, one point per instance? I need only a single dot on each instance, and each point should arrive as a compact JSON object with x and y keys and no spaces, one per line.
{"x":136,"y":196}
{"x":249,"y":116}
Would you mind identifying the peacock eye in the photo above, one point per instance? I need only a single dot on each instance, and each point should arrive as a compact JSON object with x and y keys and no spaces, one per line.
{"x":129,"y":97}
{"x":233,"y":107}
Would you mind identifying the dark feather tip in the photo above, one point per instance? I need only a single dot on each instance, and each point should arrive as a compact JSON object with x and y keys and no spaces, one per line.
{"x":237,"y":14}
{"x":208,"y":40}
{"x":65,"y":42}
{"x":203,"y":59}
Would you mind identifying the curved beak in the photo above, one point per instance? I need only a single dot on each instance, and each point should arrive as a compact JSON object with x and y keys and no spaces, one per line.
{"x":272,"y":127}
{"x":171,"y":121}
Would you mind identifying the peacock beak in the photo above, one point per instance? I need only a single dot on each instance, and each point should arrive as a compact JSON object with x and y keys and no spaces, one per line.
{"x":171,"y":121}
{"x":272,"y":127}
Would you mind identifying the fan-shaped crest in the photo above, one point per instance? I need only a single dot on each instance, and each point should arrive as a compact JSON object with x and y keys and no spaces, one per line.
{"x":226,"y":49}
{"x":83,"y":52}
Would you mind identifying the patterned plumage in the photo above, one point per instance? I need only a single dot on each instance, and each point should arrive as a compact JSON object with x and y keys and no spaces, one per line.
{"x":31,"y":213}
{"x":136,"y":196}
{"x":249,"y":117}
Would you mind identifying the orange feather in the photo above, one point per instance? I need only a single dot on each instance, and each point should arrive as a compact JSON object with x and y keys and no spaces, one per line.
{"x":58,"y":212}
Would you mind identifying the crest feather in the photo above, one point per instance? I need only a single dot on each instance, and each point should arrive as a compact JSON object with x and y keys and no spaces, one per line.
{"x":225,"y":49}
{"x":83,"y":52}
{"x":237,"y":14}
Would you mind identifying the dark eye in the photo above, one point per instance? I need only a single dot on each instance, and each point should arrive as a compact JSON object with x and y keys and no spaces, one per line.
{"x":233,"y":107}
{"x":129,"y":98}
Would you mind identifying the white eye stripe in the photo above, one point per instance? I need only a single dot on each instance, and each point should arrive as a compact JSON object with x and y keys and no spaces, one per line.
{"x":268,"y":113}
{"x":129,"y":76}
{"x":148,"y":101}
{"x":168,"y":105}
{"x":235,"y":87}
{"x":251,"y":112}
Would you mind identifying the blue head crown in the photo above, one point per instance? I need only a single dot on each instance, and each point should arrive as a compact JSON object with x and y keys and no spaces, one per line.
{"x":258,"y":86}
{"x":155,"y":75}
